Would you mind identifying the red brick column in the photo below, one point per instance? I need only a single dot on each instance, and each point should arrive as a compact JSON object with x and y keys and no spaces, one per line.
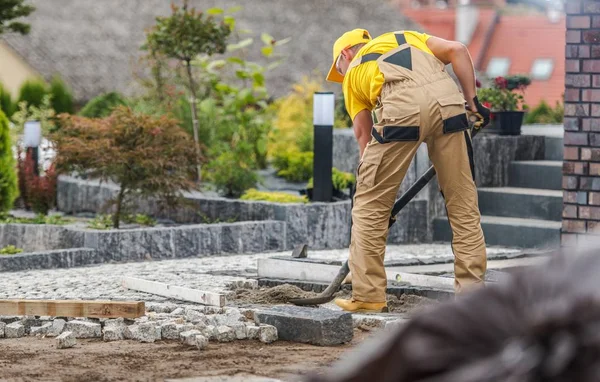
{"x":581,"y":167}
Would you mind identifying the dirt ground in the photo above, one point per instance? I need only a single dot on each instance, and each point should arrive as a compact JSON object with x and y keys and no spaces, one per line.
{"x":38,"y":359}
{"x":282,"y":293}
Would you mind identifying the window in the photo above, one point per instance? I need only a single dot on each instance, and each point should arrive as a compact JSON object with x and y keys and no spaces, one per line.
{"x":542,"y":69}
{"x":498,"y":66}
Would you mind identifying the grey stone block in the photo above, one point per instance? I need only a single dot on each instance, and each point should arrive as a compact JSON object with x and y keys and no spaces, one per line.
{"x":113,"y":333}
{"x":201,"y":342}
{"x":170,"y":330}
{"x":267,"y":334}
{"x":2,"y":326}
{"x":84,"y":329}
{"x":225,"y":334}
{"x":146,"y":332}
{"x":66,"y":340}
{"x":40,"y":330}
{"x":210,"y":332}
{"x":189,"y":337}
{"x":58,"y":325}
{"x":14,"y":330}
{"x":63,"y":258}
{"x":10,"y":319}
{"x":178,"y":312}
{"x":252,"y":331}
{"x":309,"y":325}
{"x":240,"y":331}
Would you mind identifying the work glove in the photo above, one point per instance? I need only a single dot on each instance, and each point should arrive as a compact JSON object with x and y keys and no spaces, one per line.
{"x":481,"y":117}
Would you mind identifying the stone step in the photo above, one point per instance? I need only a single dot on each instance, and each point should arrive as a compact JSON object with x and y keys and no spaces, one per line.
{"x":535,"y":174}
{"x":554,"y":148}
{"x":509,"y":232}
{"x":517,"y":202}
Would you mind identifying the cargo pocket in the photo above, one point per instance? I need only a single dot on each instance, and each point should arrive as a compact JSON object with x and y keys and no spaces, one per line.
{"x":366,"y":173}
{"x":400,"y":122}
{"x":453,"y":112}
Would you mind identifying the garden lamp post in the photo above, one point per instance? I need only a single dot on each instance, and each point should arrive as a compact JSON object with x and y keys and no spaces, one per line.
{"x":32,"y":138}
{"x":323,"y":117}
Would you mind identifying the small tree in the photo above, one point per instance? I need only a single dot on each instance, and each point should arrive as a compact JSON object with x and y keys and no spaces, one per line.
{"x":8,"y":176}
{"x":183,"y":36}
{"x":33,"y":92}
{"x":62,"y":98}
{"x":145,"y":155}
{"x":13,"y":9}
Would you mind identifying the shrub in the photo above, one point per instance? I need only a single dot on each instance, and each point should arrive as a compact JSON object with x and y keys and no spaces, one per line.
{"x":39,"y":189}
{"x":543,"y":113}
{"x":276,"y":197}
{"x":341,"y":180}
{"x":62,"y":98}
{"x":6,"y":104}
{"x":294,"y":166}
{"x":146,"y":156}
{"x":101,"y":222}
{"x":10,"y":250}
{"x":140,"y":219}
{"x":231,"y":174}
{"x":8,"y":177}
{"x":33,"y":91}
{"x":102,"y":105}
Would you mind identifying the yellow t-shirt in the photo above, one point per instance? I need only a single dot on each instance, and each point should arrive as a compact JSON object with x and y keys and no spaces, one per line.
{"x":362,"y":84}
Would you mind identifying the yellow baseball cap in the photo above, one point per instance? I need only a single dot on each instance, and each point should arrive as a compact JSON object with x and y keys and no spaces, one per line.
{"x":348,"y":39}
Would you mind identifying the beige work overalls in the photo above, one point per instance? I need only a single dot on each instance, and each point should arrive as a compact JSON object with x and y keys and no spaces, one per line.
{"x":419,"y":102}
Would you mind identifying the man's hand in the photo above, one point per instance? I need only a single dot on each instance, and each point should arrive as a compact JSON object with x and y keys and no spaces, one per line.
{"x":363,"y":123}
{"x":480,"y":113}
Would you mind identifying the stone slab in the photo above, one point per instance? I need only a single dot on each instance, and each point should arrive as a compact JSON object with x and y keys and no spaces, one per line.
{"x":66,"y":340}
{"x":61,"y":258}
{"x":308,"y":325}
{"x":84,"y":329}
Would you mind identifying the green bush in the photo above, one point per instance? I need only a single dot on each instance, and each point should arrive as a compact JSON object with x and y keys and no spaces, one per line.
{"x":543,"y":113}
{"x":62,"y":98}
{"x":140,"y":219}
{"x":101,"y":222}
{"x":341,"y":180}
{"x":6,"y":104}
{"x":9,"y":190}
{"x":276,"y":197}
{"x":230,"y":174}
{"x":10,"y":250}
{"x":293,"y":165}
{"x":103,"y":105}
{"x":33,"y":91}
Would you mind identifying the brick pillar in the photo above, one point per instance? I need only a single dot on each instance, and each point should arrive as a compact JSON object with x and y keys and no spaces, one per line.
{"x":581,"y":167}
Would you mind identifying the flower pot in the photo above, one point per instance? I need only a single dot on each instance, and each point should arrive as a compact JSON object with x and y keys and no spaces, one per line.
{"x":509,"y":122}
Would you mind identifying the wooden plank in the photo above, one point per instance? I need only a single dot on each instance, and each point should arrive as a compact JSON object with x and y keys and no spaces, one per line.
{"x":172,"y":291}
{"x":73,"y":308}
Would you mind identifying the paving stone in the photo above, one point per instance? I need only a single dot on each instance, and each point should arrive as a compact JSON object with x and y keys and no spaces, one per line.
{"x":130,"y":332}
{"x":40,"y":330}
{"x":213,"y":310}
{"x":66,"y":340}
{"x":113,"y":333}
{"x":252,"y":331}
{"x":225,"y":334}
{"x":395,"y":324}
{"x":189,"y":337}
{"x":157,"y":332}
{"x":159,"y":316}
{"x":267,"y":334}
{"x":14,"y":330}
{"x":316,"y":326}
{"x":178,"y":312}
{"x":10,"y":319}
{"x":169,"y":331}
{"x":210,"y":332}
{"x":248,"y":313}
{"x":201,"y":342}
{"x":240,"y":331}
{"x":230,"y":318}
{"x":2,"y":326}
{"x":193,"y":316}
{"x":58,"y":325}
{"x":31,"y":321}
{"x":146,"y":332}
{"x":84,"y":329}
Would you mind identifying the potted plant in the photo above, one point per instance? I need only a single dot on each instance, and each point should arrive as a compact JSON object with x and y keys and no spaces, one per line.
{"x":506,"y":102}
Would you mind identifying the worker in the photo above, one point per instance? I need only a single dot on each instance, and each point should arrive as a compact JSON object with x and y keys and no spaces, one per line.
{"x":399,"y":95}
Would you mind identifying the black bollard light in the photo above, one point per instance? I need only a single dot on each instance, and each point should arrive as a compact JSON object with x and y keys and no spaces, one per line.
{"x":323,"y":118}
{"x":32,"y":139}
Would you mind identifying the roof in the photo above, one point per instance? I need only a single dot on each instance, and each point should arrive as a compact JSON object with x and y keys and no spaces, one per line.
{"x":94,"y":44}
{"x":524,"y":39}
{"x":521,"y":38}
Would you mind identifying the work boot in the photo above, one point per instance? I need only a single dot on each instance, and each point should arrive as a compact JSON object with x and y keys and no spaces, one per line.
{"x":354,"y":306}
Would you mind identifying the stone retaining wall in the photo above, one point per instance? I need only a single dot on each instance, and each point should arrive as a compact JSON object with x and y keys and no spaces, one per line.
{"x":39,"y":237}
{"x":62,"y":258}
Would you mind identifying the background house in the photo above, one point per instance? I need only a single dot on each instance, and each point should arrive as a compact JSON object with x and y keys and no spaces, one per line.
{"x":504,"y":40}
{"x":94,"y":45}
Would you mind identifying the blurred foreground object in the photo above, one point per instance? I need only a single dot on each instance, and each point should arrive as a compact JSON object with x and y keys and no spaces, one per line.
{"x":540,"y":325}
